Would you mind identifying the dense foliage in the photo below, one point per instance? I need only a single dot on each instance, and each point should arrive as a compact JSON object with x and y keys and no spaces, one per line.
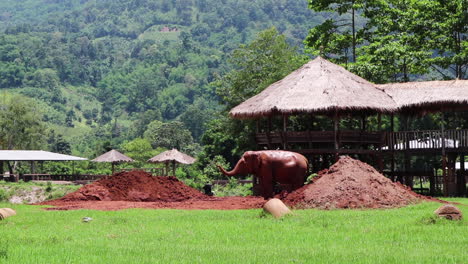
{"x":105,"y":69}
{"x":85,"y":76}
{"x":397,"y":40}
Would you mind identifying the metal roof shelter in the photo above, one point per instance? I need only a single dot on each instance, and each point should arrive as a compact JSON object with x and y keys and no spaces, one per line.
{"x":35,"y":155}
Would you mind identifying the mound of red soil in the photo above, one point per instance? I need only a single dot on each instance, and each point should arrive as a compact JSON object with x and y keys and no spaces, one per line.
{"x":350,"y":183}
{"x":135,"y":186}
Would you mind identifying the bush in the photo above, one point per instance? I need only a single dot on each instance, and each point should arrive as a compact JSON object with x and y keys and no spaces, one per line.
{"x":233,"y":188}
{"x":4,"y":195}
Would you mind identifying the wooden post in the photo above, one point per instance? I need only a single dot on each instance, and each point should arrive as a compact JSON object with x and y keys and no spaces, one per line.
{"x":407,"y":156}
{"x":461,"y":180}
{"x":33,"y":169}
{"x":113,"y":167}
{"x":268,"y":132}
{"x":167,"y":168}
{"x":173,"y":168}
{"x":336,"y":130}
{"x":380,"y":161}
{"x":285,"y":136}
{"x":444,"y":156}
{"x":391,"y":146}
{"x":363,"y":123}
{"x":311,"y":128}
{"x":1,"y":170}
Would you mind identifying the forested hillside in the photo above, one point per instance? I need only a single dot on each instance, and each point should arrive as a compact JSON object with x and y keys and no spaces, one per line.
{"x":102,"y":70}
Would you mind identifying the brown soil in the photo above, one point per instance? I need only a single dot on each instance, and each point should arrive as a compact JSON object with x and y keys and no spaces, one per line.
{"x":350,"y":183}
{"x":135,"y":186}
{"x":138,"y":189}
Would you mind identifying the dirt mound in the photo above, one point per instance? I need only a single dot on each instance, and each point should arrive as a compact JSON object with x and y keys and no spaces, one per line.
{"x":350,"y":183}
{"x":134,"y":186}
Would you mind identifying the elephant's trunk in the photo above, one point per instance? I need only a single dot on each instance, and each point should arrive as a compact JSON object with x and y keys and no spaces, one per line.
{"x":238,"y":169}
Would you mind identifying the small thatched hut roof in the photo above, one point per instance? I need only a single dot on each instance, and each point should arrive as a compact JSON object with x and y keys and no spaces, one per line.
{"x":317,"y":87}
{"x":172,"y":155}
{"x":113,"y":156}
{"x":429,"y":96}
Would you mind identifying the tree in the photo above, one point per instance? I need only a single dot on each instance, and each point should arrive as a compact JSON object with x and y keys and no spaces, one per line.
{"x":58,"y":144}
{"x":395,"y":48}
{"x":400,"y":38}
{"x":168,"y":135}
{"x":265,"y":60}
{"x":446,"y":34}
{"x":258,"y":64}
{"x":140,"y":150}
{"x":21,"y":125}
{"x":334,"y":37}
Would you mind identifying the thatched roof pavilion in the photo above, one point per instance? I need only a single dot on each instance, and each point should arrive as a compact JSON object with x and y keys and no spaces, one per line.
{"x":429,"y":95}
{"x":113,"y":157}
{"x":172,"y":156}
{"x":319,"y":87}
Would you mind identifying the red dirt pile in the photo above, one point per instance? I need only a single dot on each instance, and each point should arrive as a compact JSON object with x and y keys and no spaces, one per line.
{"x":350,"y":183}
{"x":134,"y":186}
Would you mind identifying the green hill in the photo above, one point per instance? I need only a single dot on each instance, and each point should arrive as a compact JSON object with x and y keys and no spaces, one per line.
{"x":104,"y":63}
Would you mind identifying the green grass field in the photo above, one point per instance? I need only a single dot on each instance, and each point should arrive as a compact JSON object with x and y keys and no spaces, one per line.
{"x":405,"y":235}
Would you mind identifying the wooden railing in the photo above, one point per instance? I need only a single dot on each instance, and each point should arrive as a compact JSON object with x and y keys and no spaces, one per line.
{"x":426,"y":139}
{"x":387,"y":141}
{"x":343,"y":137}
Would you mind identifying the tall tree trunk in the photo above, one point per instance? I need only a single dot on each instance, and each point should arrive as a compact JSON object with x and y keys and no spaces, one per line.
{"x":354,"y":33}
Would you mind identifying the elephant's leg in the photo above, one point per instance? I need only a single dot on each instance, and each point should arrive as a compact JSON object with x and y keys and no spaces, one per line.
{"x":266,"y":178}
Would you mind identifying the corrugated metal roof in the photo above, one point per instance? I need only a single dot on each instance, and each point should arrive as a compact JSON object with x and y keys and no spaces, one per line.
{"x":34,"y":155}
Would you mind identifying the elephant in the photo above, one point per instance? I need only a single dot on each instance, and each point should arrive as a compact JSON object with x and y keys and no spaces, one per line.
{"x":273,"y":168}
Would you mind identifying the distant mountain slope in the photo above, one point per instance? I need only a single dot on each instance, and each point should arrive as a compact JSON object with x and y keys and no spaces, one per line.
{"x":133,"y":56}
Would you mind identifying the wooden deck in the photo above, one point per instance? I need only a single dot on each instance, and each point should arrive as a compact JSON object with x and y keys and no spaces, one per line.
{"x":363,"y":142}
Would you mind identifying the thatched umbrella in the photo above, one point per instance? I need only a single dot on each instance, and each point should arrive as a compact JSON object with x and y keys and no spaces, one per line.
{"x":317,"y":87}
{"x":172,"y":156}
{"x":114,"y":157}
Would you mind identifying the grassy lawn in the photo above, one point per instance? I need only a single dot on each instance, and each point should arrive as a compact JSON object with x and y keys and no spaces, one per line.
{"x":406,"y":235}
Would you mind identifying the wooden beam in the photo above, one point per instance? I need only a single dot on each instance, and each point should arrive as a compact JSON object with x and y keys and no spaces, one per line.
{"x":461,"y":180}
{"x":285,"y":128}
{"x":336,"y":127}
{"x":379,"y":121}
{"x":268,"y":132}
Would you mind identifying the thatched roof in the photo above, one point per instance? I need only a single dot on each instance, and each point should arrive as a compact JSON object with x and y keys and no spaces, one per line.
{"x":430,"y":95}
{"x":172,"y":155}
{"x":113,"y":156}
{"x":317,"y":87}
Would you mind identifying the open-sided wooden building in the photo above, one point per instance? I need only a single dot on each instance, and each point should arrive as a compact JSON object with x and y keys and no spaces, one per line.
{"x":321,"y":88}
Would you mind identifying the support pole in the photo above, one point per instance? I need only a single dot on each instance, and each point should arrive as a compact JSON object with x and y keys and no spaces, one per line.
{"x":380,"y":161}
{"x":269,"y":132}
{"x":444,"y":156}
{"x":392,"y":146}
{"x":461,"y":180}
{"x":336,"y":130}
{"x":173,"y":168}
{"x":285,"y":136}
